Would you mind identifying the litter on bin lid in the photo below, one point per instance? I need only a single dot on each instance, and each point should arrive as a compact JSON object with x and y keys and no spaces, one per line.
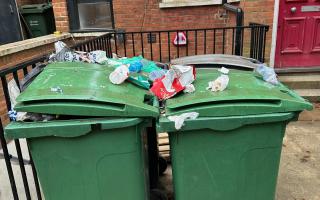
{"x":64,"y":53}
{"x":189,"y":89}
{"x":174,"y":81}
{"x":142,"y":72}
{"x":268,"y":74}
{"x":221,"y":83}
{"x":179,"y":119}
{"x":119,"y":75}
{"x":56,"y":89}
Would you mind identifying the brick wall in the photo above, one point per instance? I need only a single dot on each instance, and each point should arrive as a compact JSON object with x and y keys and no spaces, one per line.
{"x":142,"y":15}
{"x":139,"y":16}
{"x":260,"y":11}
{"x":61,"y":15}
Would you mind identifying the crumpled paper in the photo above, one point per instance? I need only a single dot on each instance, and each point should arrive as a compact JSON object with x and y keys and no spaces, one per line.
{"x":175,"y":80}
{"x":221,"y":82}
{"x":179,"y":119}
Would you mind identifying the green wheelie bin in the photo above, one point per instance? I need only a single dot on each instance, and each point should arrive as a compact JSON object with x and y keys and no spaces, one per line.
{"x":96,"y":146}
{"x":232,"y":150}
{"x":39,"y":18}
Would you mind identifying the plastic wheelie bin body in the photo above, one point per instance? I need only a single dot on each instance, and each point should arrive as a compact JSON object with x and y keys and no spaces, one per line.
{"x":96,"y":148}
{"x":40,"y":18}
{"x":232,"y":150}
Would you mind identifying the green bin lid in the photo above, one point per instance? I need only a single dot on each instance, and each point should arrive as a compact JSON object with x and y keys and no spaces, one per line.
{"x":246,"y":94}
{"x":82,"y":89}
{"x":35,"y":8}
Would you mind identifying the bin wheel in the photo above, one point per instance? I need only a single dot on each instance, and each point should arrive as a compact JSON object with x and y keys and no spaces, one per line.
{"x":162,"y":165}
{"x":157,"y":194}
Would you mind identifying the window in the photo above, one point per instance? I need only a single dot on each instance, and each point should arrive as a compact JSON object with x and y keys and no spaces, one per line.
{"x":90,"y":15}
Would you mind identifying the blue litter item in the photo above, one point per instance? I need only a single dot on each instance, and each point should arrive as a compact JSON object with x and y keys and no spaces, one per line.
{"x":12,"y":115}
{"x":135,"y":66}
{"x":268,"y":74}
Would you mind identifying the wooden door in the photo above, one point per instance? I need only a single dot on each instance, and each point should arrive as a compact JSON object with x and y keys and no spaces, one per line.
{"x":298,"y":36}
{"x":10,"y":30}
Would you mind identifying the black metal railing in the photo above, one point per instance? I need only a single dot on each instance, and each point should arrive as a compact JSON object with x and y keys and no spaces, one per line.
{"x":153,"y":45}
{"x":158,"y":45}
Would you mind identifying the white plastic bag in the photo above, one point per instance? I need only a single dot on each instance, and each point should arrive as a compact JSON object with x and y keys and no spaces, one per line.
{"x":179,"y":119}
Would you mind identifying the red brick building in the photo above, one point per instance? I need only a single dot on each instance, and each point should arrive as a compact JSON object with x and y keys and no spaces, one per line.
{"x":293,"y":39}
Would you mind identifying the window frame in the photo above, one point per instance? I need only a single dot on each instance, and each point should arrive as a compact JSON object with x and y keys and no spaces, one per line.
{"x":74,"y":21}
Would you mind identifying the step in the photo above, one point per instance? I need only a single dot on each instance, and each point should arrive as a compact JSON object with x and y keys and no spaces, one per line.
{"x":313,"y":115}
{"x":313,"y":95}
{"x":303,"y":81}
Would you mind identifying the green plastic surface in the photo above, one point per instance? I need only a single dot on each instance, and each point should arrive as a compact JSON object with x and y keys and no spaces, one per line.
{"x":40,"y":18}
{"x":246,"y":94}
{"x":35,"y":8}
{"x":104,"y":159}
{"x":227,"y":157}
{"x":65,"y":128}
{"x":86,"y":91}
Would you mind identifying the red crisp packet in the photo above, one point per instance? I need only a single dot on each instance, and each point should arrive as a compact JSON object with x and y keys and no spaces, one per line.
{"x":174,"y":81}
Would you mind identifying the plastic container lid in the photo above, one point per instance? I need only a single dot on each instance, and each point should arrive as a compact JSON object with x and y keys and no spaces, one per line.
{"x":35,"y":8}
{"x":81,"y":89}
{"x":246,"y":94}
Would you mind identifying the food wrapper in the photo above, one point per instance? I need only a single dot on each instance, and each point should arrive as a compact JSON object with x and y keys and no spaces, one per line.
{"x":174,"y":81}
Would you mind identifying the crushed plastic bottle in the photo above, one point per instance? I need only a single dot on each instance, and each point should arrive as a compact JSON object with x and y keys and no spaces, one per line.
{"x":119,"y":75}
{"x":268,"y":74}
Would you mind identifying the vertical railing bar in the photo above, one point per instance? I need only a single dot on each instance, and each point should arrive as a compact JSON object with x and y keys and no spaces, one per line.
{"x":115,"y":42}
{"x":223,"y":39}
{"x":160,"y":53}
{"x":264,"y":44}
{"x":22,"y":169}
{"x":169,"y":53}
{"x":8,"y":163}
{"x":16,"y":78}
{"x":141,"y":40}
{"x":103,"y":47}
{"x":205,"y":41}
{"x":33,"y":66}
{"x":255,"y":42}
{"x":242,"y":35}
{"x":124,"y":44}
{"x":95,"y":45}
{"x":232,"y":41}
{"x":35,"y":176}
{"x":196,"y":42}
{"x":151,"y":50}
{"x":251,"y":42}
{"x":108,"y":45}
{"x":259,"y":43}
{"x":25,"y":70}
{"x":178,"y":53}
{"x":133,"y":47}
{"x":100,"y":44}
{"x":6,"y":92}
{"x":214,"y":41}
{"x":187,"y":53}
